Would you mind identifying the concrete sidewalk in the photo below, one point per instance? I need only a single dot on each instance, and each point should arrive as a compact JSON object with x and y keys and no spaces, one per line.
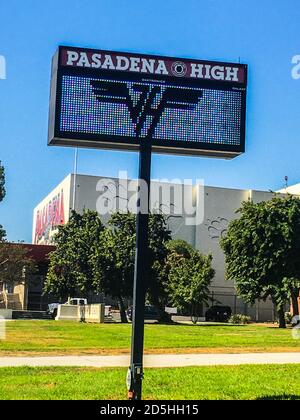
{"x":165,"y":360}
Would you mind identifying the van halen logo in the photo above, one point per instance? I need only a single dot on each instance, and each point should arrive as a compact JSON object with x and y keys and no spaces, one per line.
{"x":146,"y":102}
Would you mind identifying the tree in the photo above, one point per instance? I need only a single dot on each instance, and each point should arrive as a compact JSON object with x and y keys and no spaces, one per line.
{"x":116,"y":268}
{"x":90,"y":257}
{"x":71,"y":270}
{"x":2,"y":195}
{"x":189,"y":275}
{"x":2,"y":182}
{"x":114,"y":259}
{"x":159,"y":237}
{"x":15,"y":265}
{"x":2,"y":234}
{"x":262,"y":250}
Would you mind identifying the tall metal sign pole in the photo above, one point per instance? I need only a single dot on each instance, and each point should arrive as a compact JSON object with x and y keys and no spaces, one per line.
{"x":141,"y":274}
{"x":126,"y":101}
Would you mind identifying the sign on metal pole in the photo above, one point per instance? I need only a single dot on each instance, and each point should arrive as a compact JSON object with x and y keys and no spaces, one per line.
{"x":106,"y":99}
{"x":126,"y":101}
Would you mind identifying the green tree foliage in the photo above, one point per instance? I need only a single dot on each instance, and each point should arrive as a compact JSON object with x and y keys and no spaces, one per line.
{"x":2,"y":182}
{"x":2,"y":195}
{"x":189,"y":274}
{"x":159,"y":237}
{"x":114,"y":259}
{"x":116,"y":267}
{"x":262,"y":250}
{"x":71,"y":270}
{"x":90,"y":257}
{"x":2,"y":234}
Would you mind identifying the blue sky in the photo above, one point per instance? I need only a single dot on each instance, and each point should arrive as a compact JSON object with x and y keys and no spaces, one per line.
{"x":264,"y":34}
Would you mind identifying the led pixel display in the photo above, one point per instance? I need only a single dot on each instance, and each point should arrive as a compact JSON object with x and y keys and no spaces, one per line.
{"x":175,"y":105}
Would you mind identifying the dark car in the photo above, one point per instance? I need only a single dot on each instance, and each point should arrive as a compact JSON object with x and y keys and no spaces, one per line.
{"x":218,"y":314}
{"x":151,"y":313}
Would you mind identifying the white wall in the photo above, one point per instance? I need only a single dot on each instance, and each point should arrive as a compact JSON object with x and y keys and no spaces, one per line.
{"x":293,"y":189}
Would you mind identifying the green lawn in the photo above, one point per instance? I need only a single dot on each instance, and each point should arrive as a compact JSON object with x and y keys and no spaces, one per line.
{"x":51,"y":337}
{"x":240,"y":382}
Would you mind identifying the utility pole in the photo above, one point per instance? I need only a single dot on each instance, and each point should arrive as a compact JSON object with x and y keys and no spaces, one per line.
{"x":75,"y":179}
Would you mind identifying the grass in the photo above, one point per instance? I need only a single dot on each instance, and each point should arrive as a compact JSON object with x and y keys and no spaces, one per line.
{"x":59,"y":338}
{"x":201,"y":383}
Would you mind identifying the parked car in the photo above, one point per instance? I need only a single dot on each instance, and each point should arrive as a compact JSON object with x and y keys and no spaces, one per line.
{"x":77,"y":301}
{"x":151,"y":313}
{"x":53,"y":307}
{"x":218,"y":314}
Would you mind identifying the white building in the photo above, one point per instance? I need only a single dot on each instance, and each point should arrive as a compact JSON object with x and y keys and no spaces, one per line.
{"x":202,"y":225}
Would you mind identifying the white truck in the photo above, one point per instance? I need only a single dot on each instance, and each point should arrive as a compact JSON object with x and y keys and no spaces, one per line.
{"x":52,"y":307}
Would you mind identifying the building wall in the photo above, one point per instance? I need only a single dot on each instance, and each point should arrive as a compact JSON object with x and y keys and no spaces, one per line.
{"x":53,"y":210}
{"x":220,"y":206}
{"x":293,"y":189}
{"x":216,"y":206}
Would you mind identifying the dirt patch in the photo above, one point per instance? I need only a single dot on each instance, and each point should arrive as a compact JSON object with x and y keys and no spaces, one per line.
{"x":116,"y":352}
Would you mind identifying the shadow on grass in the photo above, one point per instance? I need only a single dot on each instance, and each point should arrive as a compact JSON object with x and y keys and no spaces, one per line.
{"x":284,"y":397}
{"x":178,"y":323}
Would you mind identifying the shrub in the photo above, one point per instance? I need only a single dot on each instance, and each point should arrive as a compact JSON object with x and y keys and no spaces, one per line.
{"x":239,"y":319}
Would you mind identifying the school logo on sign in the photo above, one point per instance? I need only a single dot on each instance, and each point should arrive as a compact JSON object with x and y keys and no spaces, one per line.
{"x":146,"y":103}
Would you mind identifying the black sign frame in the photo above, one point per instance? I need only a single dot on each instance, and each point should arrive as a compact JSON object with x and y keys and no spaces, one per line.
{"x":89,"y":140}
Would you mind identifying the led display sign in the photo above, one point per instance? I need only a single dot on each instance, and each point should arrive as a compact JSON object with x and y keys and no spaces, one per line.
{"x":105,"y":99}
